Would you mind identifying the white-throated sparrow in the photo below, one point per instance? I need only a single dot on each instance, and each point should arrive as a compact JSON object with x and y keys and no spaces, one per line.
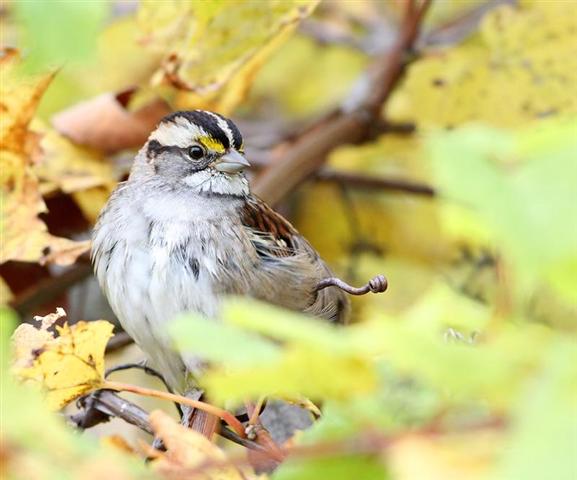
{"x":184,"y":230}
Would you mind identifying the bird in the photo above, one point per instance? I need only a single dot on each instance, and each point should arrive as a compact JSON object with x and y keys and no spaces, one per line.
{"x":184,"y":231}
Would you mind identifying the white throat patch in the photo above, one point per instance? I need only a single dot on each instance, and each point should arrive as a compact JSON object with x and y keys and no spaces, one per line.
{"x":210,"y":181}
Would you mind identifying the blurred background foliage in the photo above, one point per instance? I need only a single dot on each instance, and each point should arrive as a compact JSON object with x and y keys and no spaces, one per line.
{"x":467,"y":200}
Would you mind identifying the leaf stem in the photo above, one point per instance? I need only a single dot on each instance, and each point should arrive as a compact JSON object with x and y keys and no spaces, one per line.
{"x":228,"y":417}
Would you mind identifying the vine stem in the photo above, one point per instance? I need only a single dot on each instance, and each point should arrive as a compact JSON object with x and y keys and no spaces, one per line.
{"x":228,"y":417}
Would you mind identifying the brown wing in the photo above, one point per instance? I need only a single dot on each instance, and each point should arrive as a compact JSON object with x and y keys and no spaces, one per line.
{"x":291,"y":260}
{"x":276,"y":236}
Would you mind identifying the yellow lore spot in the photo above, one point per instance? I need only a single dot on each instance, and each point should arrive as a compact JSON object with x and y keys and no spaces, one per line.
{"x":212,"y":144}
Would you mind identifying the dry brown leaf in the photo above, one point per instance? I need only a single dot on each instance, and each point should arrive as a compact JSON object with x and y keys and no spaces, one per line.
{"x":62,"y":251}
{"x":29,"y":340}
{"x":187,"y":451}
{"x":104,"y":122}
{"x":47,"y":321}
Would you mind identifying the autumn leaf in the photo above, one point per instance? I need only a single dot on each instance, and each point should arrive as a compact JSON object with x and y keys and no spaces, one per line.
{"x":469,"y":455}
{"x":106,"y":122}
{"x":520,"y":68}
{"x":187,"y":450}
{"x":68,"y":167}
{"x":229,"y":43}
{"x":25,"y":236}
{"x":64,"y":366}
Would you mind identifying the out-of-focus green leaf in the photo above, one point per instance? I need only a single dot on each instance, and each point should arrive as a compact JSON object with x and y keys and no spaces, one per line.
{"x":301,"y":371}
{"x":59,"y":32}
{"x":281,"y":324}
{"x":334,"y":467}
{"x":8,"y":320}
{"x":543,"y":440}
{"x":524,"y":195}
{"x":223,"y":343}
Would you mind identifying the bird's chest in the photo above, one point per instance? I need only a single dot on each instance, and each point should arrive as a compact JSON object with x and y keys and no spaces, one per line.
{"x":171,"y":263}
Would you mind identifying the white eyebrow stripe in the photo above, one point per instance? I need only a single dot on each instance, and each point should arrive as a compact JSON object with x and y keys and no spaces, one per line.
{"x":179,"y":132}
{"x":224,"y":126}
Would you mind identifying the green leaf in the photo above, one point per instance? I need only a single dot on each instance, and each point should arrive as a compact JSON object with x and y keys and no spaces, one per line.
{"x":522,"y":187}
{"x":302,"y":371}
{"x":282,"y":324}
{"x":222,"y":343}
{"x":58,"y":32}
{"x":544,"y":435}
{"x":333,"y":467}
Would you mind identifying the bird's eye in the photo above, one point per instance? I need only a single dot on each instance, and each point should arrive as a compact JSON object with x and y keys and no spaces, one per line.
{"x":195,"y":152}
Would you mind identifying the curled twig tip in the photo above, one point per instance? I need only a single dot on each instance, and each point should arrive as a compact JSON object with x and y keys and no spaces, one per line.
{"x":377,"y":284}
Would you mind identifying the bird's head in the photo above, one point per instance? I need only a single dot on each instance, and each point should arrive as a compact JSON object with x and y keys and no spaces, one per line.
{"x":200,"y":150}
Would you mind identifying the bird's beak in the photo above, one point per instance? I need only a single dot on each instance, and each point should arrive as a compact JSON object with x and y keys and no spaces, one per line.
{"x":231,"y":162}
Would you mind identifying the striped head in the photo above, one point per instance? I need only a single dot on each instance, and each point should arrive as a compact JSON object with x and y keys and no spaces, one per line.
{"x":199,"y":149}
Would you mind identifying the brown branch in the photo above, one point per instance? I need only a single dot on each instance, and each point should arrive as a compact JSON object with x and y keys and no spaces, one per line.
{"x":101,"y":405}
{"x":367,"y":182}
{"x":308,"y":153}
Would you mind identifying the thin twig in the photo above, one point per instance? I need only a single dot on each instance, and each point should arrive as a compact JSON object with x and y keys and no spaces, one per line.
{"x":362,"y":181}
{"x":245,"y":442}
{"x":377,"y":284}
{"x":99,"y":406}
{"x":228,"y":417}
{"x":146,"y":369}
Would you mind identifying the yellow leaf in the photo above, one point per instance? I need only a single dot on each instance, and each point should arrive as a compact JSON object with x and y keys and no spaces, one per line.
{"x":19,"y":101}
{"x":320,"y":76}
{"x":521,"y":66}
{"x":187,"y":450}
{"x":122,"y":62}
{"x":91,"y":202}
{"x":225,"y":100}
{"x":448,"y":457}
{"x":24,"y":236}
{"x":66,"y":366}
{"x":69,"y":167}
{"x":206,"y":44}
